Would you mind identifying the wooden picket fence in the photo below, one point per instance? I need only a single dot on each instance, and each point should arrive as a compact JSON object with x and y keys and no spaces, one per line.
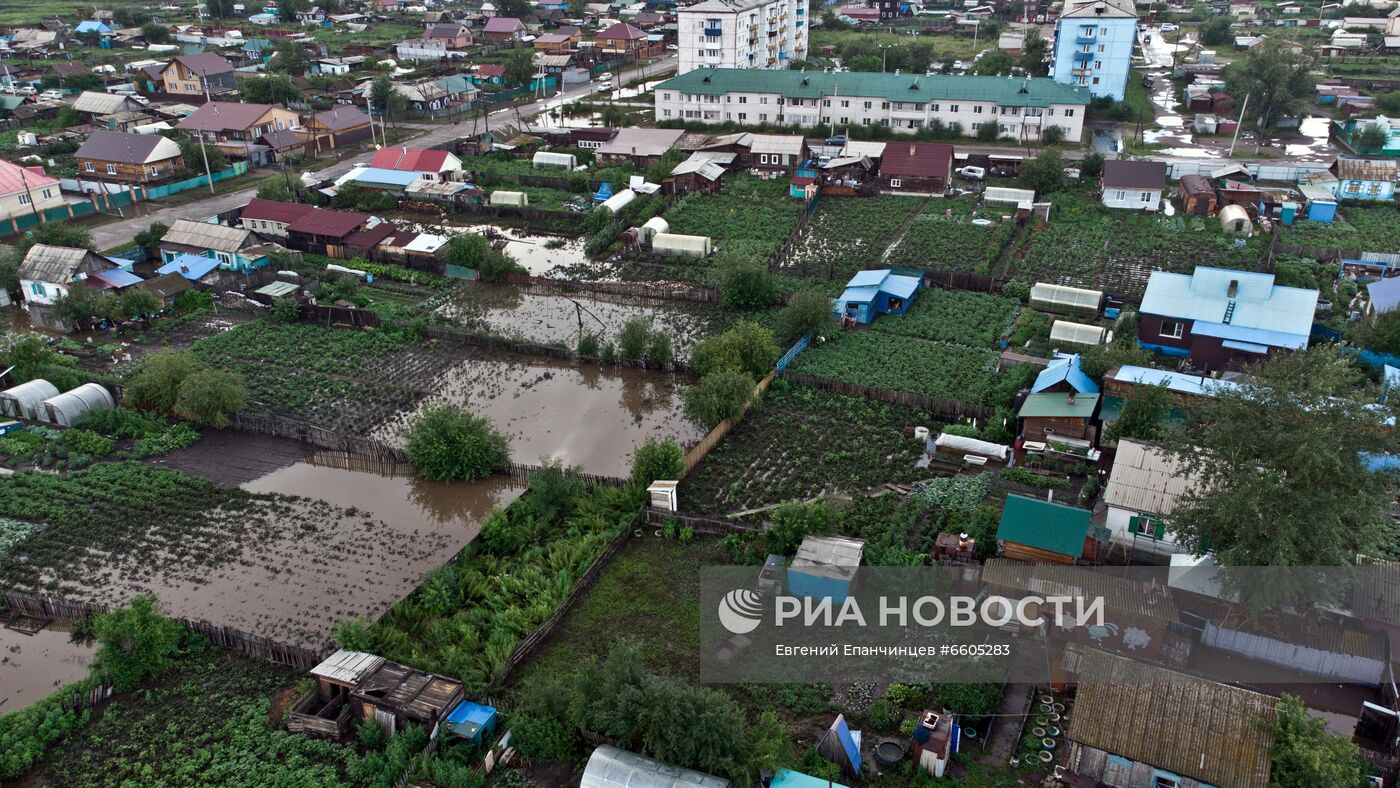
{"x":321,"y":437}
{"x":647,"y":291}
{"x":943,"y":407}
{"x":700,"y":525}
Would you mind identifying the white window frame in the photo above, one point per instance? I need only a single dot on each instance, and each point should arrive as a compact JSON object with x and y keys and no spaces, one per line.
{"x":1177,"y":324}
{"x":895,"y":183}
{"x":111,"y":169}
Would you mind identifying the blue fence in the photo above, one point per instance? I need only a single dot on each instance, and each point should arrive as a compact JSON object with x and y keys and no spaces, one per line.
{"x":797,"y":347}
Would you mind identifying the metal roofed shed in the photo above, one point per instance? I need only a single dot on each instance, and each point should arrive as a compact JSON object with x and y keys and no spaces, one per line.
{"x":1077,"y":333}
{"x":1056,"y":405}
{"x":1042,"y":532}
{"x":1060,"y":297}
{"x":610,"y":767}
{"x":550,"y":160}
{"x":1064,"y":373}
{"x":509,"y":199}
{"x":26,"y":401}
{"x":277,"y":289}
{"x":191,"y":266}
{"x":471,"y":721}
{"x":674,"y":245}
{"x":872,"y":293}
{"x":204,"y":235}
{"x":347,"y":668}
{"x":70,"y":407}
{"x":1146,"y":479}
{"x":1384,"y":295}
{"x":824,"y":567}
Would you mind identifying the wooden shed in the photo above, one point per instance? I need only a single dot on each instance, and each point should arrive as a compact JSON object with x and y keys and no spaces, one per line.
{"x":1197,"y":195}
{"x":395,"y":695}
{"x":1043,"y":532}
{"x":1058,"y":416}
{"x":325,"y":711}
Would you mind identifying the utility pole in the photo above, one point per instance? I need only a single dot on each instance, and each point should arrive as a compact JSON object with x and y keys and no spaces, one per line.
{"x":203,"y":78}
{"x":30,"y":196}
{"x":1238,"y":123}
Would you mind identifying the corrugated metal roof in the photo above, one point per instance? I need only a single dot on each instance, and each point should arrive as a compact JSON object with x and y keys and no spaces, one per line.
{"x":638,"y":141}
{"x":831,"y":556}
{"x":1064,"y":369}
{"x":1174,"y":381}
{"x":915,"y":88}
{"x":1284,"y":315}
{"x":776,"y":143}
{"x":387,"y":177}
{"x":57,"y":264}
{"x":1043,"y":525}
{"x":1186,"y":725}
{"x":97,"y":103}
{"x":610,"y":767}
{"x":1384,"y":294}
{"x":1058,"y":405}
{"x":1146,"y":479}
{"x":277,"y":289}
{"x":273,"y":211}
{"x":327,"y":222}
{"x":191,"y":266}
{"x":203,"y":235}
{"x":1120,"y":595}
{"x":116,"y":146}
{"x":348,"y":667}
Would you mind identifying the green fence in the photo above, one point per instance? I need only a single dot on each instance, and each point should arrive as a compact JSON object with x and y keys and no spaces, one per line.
{"x":161,"y":192}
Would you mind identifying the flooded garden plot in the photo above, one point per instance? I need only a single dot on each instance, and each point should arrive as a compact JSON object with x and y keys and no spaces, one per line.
{"x":281,"y":566}
{"x":748,"y":216}
{"x":850,"y":234}
{"x":34,"y":666}
{"x":540,"y":253}
{"x":556,"y":319}
{"x":802,"y":442}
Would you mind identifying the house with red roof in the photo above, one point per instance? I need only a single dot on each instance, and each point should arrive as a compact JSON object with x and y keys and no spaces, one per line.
{"x":503,"y":30}
{"x":916,"y":167}
{"x":269,"y":217}
{"x":621,"y":38}
{"x":26,"y":190}
{"x":328,"y":232}
{"x":488,"y":73}
{"x":430,"y":165}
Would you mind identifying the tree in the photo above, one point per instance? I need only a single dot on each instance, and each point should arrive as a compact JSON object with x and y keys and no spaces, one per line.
{"x":745,"y":283}
{"x":287,"y":10}
{"x":632,"y":340}
{"x":987,"y":131}
{"x":1035,"y":54}
{"x":77,"y":307}
{"x":55,"y":234}
{"x":1281,"y":474}
{"x":291,"y":56}
{"x":447,"y":442}
{"x":1053,"y":135}
{"x":747,"y":347}
{"x":222,"y":9}
{"x":156,"y":385}
{"x":387,"y":101}
{"x":1216,"y":31}
{"x":520,"y":66}
{"x":474,"y":251}
{"x":1370,"y":138}
{"x":149,"y":238}
{"x":809,"y":312}
{"x":994,"y":63}
{"x":1276,"y":79}
{"x":1144,"y":415}
{"x":1091,"y":166}
{"x":1045,"y":173}
{"x":274,"y":188}
{"x":1305,"y":754}
{"x":612,"y":116}
{"x":129,"y":16}
{"x":9,"y":270}
{"x":154,"y":33}
{"x":270,"y":89}
{"x":577,"y":8}
{"x":657,"y":458}
{"x":1124,"y":349}
{"x":194,"y":153}
{"x":134,"y":642}
{"x":210,"y":397}
{"x":139,"y":303}
{"x":718,"y":396}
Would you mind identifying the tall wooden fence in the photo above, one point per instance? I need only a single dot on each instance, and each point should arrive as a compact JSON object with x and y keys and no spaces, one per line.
{"x":712,"y":439}
{"x":960,"y":280}
{"x":700,"y":525}
{"x":46,"y":607}
{"x":655,"y":291}
{"x":943,"y":407}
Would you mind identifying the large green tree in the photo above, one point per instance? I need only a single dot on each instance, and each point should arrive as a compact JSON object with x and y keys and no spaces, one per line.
{"x":1277,"y":81}
{"x":447,"y":442}
{"x":270,"y":89}
{"x":1280,"y":466}
{"x":1305,"y":754}
{"x":520,"y":67}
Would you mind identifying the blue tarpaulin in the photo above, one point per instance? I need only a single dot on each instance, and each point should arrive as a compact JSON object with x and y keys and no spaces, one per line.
{"x":471,"y":720}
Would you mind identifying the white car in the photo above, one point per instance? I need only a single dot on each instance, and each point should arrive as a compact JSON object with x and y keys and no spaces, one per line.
{"x":56,"y":95}
{"x":142,"y":100}
{"x":606,"y":84}
{"x":1168,"y":27}
{"x":973,"y":173}
{"x":606,"y":76}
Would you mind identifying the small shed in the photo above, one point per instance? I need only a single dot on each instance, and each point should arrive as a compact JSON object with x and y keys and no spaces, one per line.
{"x":841,"y":746}
{"x":1060,"y":298}
{"x":1059,"y":416}
{"x":673,"y":245}
{"x":1321,"y":202}
{"x":26,"y":401}
{"x":546,"y":160}
{"x":617,"y":202}
{"x":870,"y":294}
{"x":1077,"y":333}
{"x":653,"y":227}
{"x":471,"y":721}
{"x":325,"y":711}
{"x":1234,"y":219}
{"x":610,"y":767}
{"x":70,"y":407}
{"x":510,"y":199}
{"x":824,"y":567}
{"x":1042,"y":532}
{"x":1064,"y":373}
{"x":395,"y":695}
{"x":1197,"y":195}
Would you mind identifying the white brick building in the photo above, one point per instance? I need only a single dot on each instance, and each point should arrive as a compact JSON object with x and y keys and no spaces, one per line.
{"x":764,"y":34}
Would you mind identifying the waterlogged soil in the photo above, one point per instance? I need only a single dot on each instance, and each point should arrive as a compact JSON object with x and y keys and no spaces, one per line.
{"x":584,"y":415}
{"x":32,"y":667}
{"x":539,"y":254}
{"x":558,"y":319}
{"x":229,"y":458}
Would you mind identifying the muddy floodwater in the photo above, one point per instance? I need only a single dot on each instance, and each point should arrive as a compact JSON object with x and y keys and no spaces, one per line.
{"x":543,"y":318}
{"x":539,"y":254}
{"x":32,"y":667}
{"x":584,"y":415}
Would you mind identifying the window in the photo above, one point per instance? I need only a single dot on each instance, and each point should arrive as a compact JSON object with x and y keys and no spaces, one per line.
{"x":763,"y":99}
{"x":844,"y":120}
{"x":1147,"y":196}
{"x":1050,"y":111}
{"x":665,"y":96}
{"x":762,"y":158}
{"x":763,"y":116}
{"x":952,"y":107}
{"x":1147,"y":527}
{"x":1101,"y":49}
{"x":224,"y":258}
{"x":1098,"y":64}
{"x":665,"y":113}
{"x":1103,"y":31}
{"x":111,"y":169}
{"x":895,"y":183}
{"x":154,"y":172}
{"x":1069,"y":113}
{"x":743,"y":116}
{"x":826,"y":102}
{"x":36,"y":288}
{"x":743,"y":99}
{"x":1096,"y":80}
{"x":977,"y":110}
{"x":934,"y":108}
{"x":884,"y":105}
{"x":867,"y":105}
{"x":865,"y":121}
{"x":24,"y":199}
{"x":87,"y":166}
{"x":1172,"y":329}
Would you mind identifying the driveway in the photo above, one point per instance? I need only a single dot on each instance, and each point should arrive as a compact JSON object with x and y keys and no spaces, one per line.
{"x":121,"y":231}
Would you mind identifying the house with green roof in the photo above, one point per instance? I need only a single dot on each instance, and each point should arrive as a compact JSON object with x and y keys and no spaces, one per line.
{"x":1042,"y":532}
{"x":1061,"y":416}
{"x":1021,"y":107}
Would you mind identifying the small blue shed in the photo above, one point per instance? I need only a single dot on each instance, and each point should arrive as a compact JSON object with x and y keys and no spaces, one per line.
{"x":471,"y":721}
{"x":870,"y":294}
{"x":824,"y":567}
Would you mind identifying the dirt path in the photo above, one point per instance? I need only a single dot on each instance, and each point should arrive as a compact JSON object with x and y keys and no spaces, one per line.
{"x":1015,"y":704}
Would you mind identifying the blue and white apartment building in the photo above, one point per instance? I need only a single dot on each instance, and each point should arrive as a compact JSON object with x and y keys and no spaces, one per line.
{"x":1094,"y":45}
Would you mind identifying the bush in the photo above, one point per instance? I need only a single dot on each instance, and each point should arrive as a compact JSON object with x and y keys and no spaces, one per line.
{"x":135,"y":642}
{"x":747,"y":347}
{"x":657,"y":458}
{"x":971,"y":700}
{"x":809,"y":312}
{"x":588,"y":345}
{"x":659,"y":351}
{"x":884,"y":715}
{"x":745,"y":284}
{"x":156,"y":385}
{"x":718,"y":396}
{"x":541,"y":739}
{"x":122,"y":423}
{"x":447,"y":442}
{"x":86,"y":442}
{"x":1021,"y":291}
{"x":633,"y":339}
{"x":210,"y":397}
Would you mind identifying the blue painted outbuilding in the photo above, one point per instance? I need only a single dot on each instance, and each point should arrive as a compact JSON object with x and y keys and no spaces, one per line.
{"x":870,"y":294}
{"x":824,"y":567}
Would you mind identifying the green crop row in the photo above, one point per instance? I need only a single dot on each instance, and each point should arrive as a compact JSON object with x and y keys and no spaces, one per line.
{"x":933,"y":369}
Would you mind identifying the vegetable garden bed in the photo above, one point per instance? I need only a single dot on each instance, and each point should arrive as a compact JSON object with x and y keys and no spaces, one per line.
{"x":1356,"y":229}
{"x":748,"y":216}
{"x":936,"y":241}
{"x":933,"y":369}
{"x":850,"y":234}
{"x":973,"y":319}
{"x":800,"y":443}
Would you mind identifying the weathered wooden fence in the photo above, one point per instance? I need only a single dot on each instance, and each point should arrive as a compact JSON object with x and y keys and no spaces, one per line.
{"x":701,"y":525}
{"x":653,"y":291}
{"x":943,"y":407}
{"x":46,"y":607}
{"x":961,"y":280}
{"x":712,"y":439}
{"x":321,"y":437}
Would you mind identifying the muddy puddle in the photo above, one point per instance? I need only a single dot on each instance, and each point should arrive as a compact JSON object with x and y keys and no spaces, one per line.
{"x":539,"y":254}
{"x":584,"y":415}
{"x":506,"y":311}
{"x":32,"y":667}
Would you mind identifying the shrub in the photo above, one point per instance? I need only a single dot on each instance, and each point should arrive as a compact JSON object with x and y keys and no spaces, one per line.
{"x":657,"y":458}
{"x":717,"y":397}
{"x":633,"y":339}
{"x":447,"y":442}
{"x":808,"y":312}
{"x":122,"y":423}
{"x":87,"y":442}
{"x":156,"y":385}
{"x":971,"y":700}
{"x":659,"y":351}
{"x":588,"y":345}
{"x":1017,"y":289}
{"x":745,"y":284}
{"x":747,"y":347}
{"x":884,"y":715}
{"x":541,"y":739}
{"x":135,"y":641}
{"x":210,"y":397}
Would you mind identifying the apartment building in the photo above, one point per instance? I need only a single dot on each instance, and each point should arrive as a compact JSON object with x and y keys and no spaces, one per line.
{"x":1022,"y":107}
{"x":1094,"y":45}
{"x":764,"y":34}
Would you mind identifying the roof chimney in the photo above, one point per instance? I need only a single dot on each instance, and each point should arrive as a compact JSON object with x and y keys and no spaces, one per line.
{"x":1069,"y":398}
{"x":1233,"y":288}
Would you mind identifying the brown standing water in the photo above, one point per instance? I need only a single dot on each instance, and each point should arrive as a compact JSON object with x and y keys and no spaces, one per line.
{"x":32,"y":667}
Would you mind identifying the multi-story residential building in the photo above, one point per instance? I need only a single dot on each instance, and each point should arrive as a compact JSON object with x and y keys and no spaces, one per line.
{"x":1022,"y":107}
{"x":765,"y":34}
{"x":1094,"y":45}
{"x":196,"y":75}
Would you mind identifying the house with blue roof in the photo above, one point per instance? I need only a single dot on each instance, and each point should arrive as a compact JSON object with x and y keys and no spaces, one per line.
{"x":1223,"y":319}
{"x":1063,"y":374}
{"x":93,"y":27}
{"x":381,"y":179}
{"x":870,"y":294}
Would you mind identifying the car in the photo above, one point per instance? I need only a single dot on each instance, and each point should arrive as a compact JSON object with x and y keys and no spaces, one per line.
{"x":672,"y":48}
{"x":56,"y":95}
{"x":972,"y":173}
{"x":839,"y":139}
{"x":1168,"y":27}
{"x":606,"y":76}
{"x":23,"y":90}
{"x":142,"y":100}
{"x":606,"y":84}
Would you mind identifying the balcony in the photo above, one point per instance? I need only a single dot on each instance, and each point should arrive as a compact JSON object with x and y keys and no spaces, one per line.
{"x":714,"y":31}
{"x":1083,"y":57}
{"x":1085,"y":40}
{"x":1080,"y":72}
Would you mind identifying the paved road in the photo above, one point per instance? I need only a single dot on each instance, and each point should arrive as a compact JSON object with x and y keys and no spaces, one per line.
{"x":117,"y":233}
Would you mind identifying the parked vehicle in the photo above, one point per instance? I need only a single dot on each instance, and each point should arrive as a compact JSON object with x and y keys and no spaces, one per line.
{"x":839,"y":139}
{"x":56,"y":95}
{"x":1168,"y":27}
{"x":973,"y":173}
{"x":606,"y":84}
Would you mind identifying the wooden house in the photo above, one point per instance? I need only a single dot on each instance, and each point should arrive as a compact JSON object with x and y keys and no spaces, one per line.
{"x":270,"y":218}
{"x":49,"y":273}
{"x":1133,"y":185}
{"x":1041,"y":532}
{"x":335,"y":128}
{"x":129,"y":158}
{"x":702,"y":173}
{"x":324,"y":231}
{"x":1197,"y":196}
{"x":234,"y":248}
{"x":640,"y":146}
{"x":621,"y":39}
{"x":197,"y":75}
{"x":916,"y":167}
{"x":1059,"y":416}
{"x":1142,"y":492}
{"x":503,"y":30}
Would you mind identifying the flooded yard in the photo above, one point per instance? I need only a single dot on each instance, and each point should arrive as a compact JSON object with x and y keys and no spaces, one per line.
{"x":34,"y":666}
{"x":507,"y":311}
{"x":538,"y":253}
{"x":584,"y":414}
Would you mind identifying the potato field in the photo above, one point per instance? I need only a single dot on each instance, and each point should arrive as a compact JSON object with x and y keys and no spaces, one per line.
{"x":850,"y":234}
{"x":748,"y":215}
{"x":944,"y":237}
{"x":941,"y":370}
{"x":973,"y":319}
{"x":1356,"y":229}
